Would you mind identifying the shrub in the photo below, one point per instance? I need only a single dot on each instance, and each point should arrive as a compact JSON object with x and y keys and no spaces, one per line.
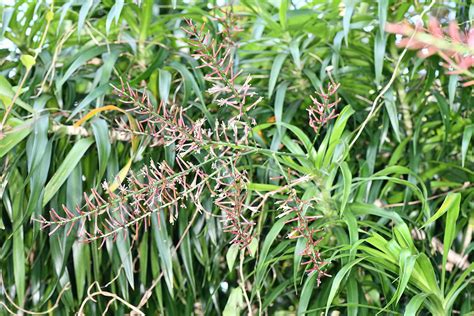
{"x":247,"y":157}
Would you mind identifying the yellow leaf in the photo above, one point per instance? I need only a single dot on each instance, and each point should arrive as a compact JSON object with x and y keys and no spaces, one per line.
{"x":124,"y":171}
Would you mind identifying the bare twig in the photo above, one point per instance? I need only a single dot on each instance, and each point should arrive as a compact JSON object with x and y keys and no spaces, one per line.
{"x":100,"y":292}
{"x":433,"y":197}
{"x":114,"y":134}
{"x":20,"y":309}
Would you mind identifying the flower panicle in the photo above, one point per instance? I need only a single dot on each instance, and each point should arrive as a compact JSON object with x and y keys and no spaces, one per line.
{"x":323,"y":109}
{"x":218,"y":58}
{"x":156,"y":188}
{"x":231,"y":195}
{"x":168,"y":123}
{"x":160,"y":187}
{"x":298,"y":207}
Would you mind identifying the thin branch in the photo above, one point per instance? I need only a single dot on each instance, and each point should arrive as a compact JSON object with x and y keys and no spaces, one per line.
{"x":100,"y":292}
{"x":466,"y":185}
{"x":19,"y":308}
{"x":374,"y":107}
{"x":242,"y":282}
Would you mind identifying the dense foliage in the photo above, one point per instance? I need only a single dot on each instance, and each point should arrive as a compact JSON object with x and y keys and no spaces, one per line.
{"x":255,"y":157}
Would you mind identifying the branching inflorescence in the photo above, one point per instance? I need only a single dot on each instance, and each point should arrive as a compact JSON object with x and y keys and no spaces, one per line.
{"x":206,"y":164}
{"x":324,"y":109}
{"x":219,"y":59}
{"x":297,"y":208}
{"x":231,"y":195}
{"x":155,"y":188}
{"x":160,"y":187}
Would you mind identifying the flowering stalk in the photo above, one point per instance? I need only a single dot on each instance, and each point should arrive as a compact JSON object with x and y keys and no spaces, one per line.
{"x":158,"y":187}
{"x":218,"y":58}
{"x":231,"y":192}
{"x":323,"y":110}
{"x":295,"y":206}
{"x":218,"y":146}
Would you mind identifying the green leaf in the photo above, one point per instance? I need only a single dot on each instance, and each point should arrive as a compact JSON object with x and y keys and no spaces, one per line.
{"x":80,"y":251}
{"x":28,"y":61}
{"x":457,"y":287}
{"x":95,"y":94}
{"x":275,"y":293}
{"x":164,"y":85}
{"x":445,"y":116}
{"x":234,"y":304}
{"x":451,"y":201}
{"x":336,"y":134}
{"x":7,"y":94}
{"x":450,"y":230}
{"x":346,"y":21}
{"x":352,"y":295}
{"x":365,"y":209}
{"x":14,"y":136}
{"x":282,"y":13}
{"x":19,"y":259}
{"x":187,"y":76}
{"x":146,"y":12}
{"x":279,"y":102}
{"x":67,"y":166}
{"x":403,"y":236}
{"x":315,"y":82}
{"x":406,"y":263}
{"x":232,"y":255}
{"x":380,"y":40}
{"x":123,"y":246}
{"x":431,"y":283}
{"x":308,"y":287}
{"x":392,"y":113}
{"x":81,"y":259}
{"x":295,"y":52}
{"x":81,"y":58}
{"x":302,"y":137}
{"x":101,"y":136}
{"x":466,"y":141}
{"x":114,"y":14}
{"x":347,"y":181}
{"x":143,"y":252}
{"x":163,"y":245}
{"x":337,"y":281}
{"x":379,"y":54}
{"x":275,"y":72}
{"x":186,"y":252}
{"x":85,"y":8}
{"x":382,"y":14}
{"x":253,"y":247}
{"x":414,"y":304}
{"x":267,"y":243}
